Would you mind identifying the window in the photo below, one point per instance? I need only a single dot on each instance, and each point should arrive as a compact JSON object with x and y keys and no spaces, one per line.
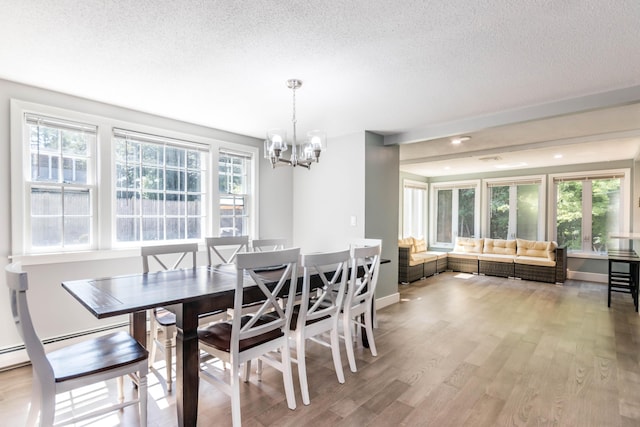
{"x":160,"y":190}
{"x":60,"y":183}
{"x":84,"y":183}
{"x":516,"y":208}
{"x":234,"y":180}
{"x":414,"y":209}
{"x":589,"y":208}
{"x":456,"y":212}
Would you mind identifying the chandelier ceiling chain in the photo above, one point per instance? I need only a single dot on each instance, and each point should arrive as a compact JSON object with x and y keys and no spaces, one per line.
{"x":302,"y":155}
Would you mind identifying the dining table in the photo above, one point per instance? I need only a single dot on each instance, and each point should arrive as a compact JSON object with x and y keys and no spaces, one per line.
{"x":185,"y":292}
{"x":188,"y":293}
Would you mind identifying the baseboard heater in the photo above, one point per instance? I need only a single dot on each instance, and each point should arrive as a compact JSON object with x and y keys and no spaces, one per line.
{"x":16,"y":348}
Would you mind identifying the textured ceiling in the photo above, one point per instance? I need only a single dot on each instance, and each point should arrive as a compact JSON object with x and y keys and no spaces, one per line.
{"x":396,"y":68}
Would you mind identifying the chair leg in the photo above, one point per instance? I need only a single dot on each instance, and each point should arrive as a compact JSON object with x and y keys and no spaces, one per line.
{"x":302,"y":368}
{"x":168,"y":350}
{"x":348,"y":342}
{"x":120,"y":381}
{"x":335,"y":351}
{"x":368,"y":323}
{"x":47,"y":409}
{"x":142,"y":396}
{"x":234,"y":383}
{"x":154,"y":338}
{"x":259,"y":369}
{"x":287,"y":375}
{"x":36,"y":403}
{"x":246,"y":372}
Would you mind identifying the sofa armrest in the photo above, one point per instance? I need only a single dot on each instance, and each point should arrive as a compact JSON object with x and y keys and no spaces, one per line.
{"x":561,"y":264}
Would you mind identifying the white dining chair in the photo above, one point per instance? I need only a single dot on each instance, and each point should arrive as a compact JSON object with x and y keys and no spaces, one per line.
{"x":156,"y":258}
{"x":92,"y":361}
{"x":258,"y":335}
{"x":262,"y":245}
{"x":357,"y":312}
{"x":224,"y":249}
{"x":318,"y":312}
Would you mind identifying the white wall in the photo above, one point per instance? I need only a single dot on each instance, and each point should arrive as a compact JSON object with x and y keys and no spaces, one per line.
{"x":326,"y":197}
{"x":55,"y":312}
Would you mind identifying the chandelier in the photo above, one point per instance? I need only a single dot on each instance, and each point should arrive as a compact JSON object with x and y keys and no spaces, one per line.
{"x":301,"y":155}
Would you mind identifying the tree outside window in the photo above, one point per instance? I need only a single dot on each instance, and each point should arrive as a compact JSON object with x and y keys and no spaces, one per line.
{"x":588,"y":210}
{"x":61,"y":183}
{"x":455,"y":213}
{"x":514,"y":210}
{"x":159,"y":189}
{"x":233,"y":187}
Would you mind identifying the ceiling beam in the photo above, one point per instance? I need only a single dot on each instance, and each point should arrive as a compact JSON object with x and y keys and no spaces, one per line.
{"x":614,"y":98}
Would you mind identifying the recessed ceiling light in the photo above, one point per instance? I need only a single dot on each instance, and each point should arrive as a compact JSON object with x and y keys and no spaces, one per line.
{"x":460,"y":139}
{"x":557,"y":156}
{"x":447,"y":168}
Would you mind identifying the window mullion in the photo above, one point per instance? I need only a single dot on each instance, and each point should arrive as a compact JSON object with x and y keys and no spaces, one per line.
{"x":587,"y":215}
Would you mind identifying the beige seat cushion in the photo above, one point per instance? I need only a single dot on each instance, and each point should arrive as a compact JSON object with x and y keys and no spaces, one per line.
{"x":499,"y":247}
{"x":440,"y":255}
{"x":421,"y":257}
{"x":537,"y":249}
{"x":462,"y":255}
{"x":468,"y":245}
{"x":535,"y":260}
{"x":497,"y":258}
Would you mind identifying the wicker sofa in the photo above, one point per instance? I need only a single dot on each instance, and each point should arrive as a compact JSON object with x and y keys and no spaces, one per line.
{"x":541,"y":261}
{"x":416,"y":262}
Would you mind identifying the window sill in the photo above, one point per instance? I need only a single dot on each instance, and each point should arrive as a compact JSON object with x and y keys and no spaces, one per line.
{"x":586,"y":255}
{"x":80,"y":256}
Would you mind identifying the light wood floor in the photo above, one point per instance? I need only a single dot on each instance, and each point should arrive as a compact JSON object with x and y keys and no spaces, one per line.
{"x":457,"y":350}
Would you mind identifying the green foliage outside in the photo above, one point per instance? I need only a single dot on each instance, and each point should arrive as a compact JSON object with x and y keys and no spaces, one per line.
{"x":605,"y":212}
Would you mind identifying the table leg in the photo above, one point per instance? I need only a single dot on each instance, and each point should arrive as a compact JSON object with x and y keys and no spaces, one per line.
{"x":187,"y":365}
{"x":138,"y":327}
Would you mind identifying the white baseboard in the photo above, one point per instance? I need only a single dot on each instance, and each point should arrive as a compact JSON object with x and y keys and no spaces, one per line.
{"x":587,"y":277}
{"x":388,"y":300}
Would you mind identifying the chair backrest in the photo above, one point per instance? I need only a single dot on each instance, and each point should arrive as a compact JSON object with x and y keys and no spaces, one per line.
{"x":262,"y":245}
{"x":332,"y":269}
{"x":358,"y":243}
{"x":264,"y":269}
{"x":18,"y":284}
{"x":183,"y":250}
{"x":222,"y":246}
{"x":365,"y":266}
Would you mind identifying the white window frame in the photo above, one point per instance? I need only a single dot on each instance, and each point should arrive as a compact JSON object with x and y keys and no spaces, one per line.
{"x":452,"y":185}
{"x":159,"y":137}
{"x":625,"y":215}
{"x":514,"y":182}
{"x":406,"y":184}
{"x":104,"y":245}
{"x":252,"y":182}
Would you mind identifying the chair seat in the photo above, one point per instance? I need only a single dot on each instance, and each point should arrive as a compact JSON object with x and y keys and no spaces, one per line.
{"x":218,"y":335}
{"x":164,"y":317}
{"x":96,"y":355}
